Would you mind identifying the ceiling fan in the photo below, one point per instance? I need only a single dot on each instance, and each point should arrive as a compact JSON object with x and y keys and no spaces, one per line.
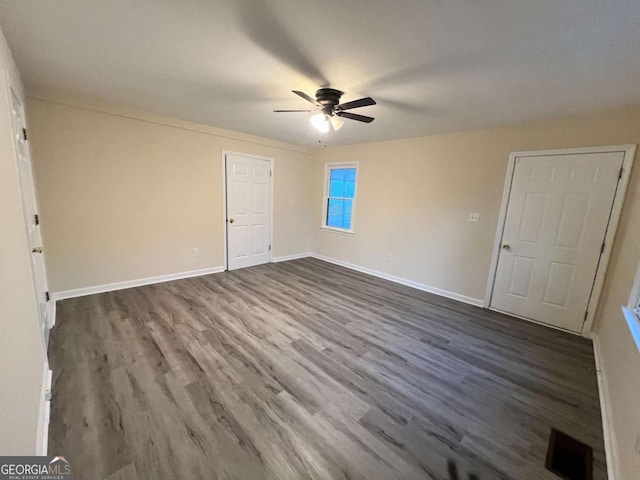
{"x":331,"y":111}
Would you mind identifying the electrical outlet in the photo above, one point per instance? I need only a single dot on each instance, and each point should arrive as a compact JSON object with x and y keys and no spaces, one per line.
{"x":389,"y":258}
{"x":195,"y":252}
{"x":474,"y":217}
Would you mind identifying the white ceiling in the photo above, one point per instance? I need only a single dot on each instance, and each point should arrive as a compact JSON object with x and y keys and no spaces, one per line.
{"x":433,"y":65}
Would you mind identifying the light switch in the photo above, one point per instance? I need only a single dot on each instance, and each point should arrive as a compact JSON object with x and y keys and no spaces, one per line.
{"x":474,"y":217}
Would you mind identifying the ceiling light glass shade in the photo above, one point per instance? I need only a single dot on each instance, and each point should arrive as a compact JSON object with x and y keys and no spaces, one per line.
{"x":320,"y":122}
{"x":336,"y":122}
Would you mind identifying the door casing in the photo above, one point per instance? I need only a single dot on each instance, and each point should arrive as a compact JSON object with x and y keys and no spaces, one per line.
{"x":11,"y":83}
{"x":224,"y":201}
{"x":30,"y":197}
{"x":627,"y":164}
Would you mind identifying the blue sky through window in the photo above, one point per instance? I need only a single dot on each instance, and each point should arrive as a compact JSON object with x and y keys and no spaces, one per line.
{"x":342,"y":190}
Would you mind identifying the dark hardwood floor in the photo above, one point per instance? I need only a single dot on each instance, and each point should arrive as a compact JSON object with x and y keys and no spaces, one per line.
{"x":306,"y":370}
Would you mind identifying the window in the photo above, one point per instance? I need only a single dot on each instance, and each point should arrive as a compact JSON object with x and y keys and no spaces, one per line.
{"x":340,"y":196}
{"x":632,"y":312}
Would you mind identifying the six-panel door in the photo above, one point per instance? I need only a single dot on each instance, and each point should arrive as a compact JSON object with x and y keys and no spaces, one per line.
{"x":248,"y":210}
{"x":557,"y":216}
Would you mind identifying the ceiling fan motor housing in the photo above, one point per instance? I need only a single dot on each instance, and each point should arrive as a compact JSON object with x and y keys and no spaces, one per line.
{"x":328,"y":98}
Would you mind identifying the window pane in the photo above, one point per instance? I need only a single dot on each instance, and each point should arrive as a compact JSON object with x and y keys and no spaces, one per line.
{"x":336,"y":182}
{"x":342,"y":182}
{"x":339,"y":213}
{"x":334,"y":213}
{"x":336,"y":188}
{"x":349,"y":189}
{"x":346,"y":217}
{"x":338,"y":174}
{"x":349,"y":174}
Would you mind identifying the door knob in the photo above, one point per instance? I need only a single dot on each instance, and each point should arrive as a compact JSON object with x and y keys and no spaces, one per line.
{"x":36,"y":250}
{"x":506,"y":246}
{"x":231,"y":220}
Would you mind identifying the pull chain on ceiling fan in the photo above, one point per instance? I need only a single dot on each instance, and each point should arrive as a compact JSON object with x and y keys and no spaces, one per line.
{"x":330,"y":111}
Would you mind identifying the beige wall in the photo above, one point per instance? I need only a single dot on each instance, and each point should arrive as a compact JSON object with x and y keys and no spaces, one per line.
{"x":414,"y":197}
{"x":620,"y":358}
{"x":22,"y":355}
{"x":127,"y":195}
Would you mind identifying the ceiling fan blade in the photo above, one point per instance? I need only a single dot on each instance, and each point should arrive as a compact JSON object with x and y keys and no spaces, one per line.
{"x":355,"y":116}
{"x":285,"y":111}
{"x":305,"y":96}
{"x":363,"y":102}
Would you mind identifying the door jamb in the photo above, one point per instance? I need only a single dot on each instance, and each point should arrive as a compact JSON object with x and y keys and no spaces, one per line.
{"x":614,"y":218}
{"x":224,"y":201}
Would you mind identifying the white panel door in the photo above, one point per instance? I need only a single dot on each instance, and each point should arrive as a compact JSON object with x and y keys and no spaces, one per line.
{"x":248,"y":210}
{"x":557,"y":216}
{"x":30,"y":211}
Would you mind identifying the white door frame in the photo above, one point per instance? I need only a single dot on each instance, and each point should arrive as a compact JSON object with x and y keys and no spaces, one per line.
{"x":13,"y":87}
{"x":11,"y":83}
{"x":224,"y":201}
{"x":627,"y":163}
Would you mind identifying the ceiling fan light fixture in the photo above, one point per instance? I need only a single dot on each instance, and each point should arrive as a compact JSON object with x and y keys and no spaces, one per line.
{"x":336,"y":122}
{"x":331,"y":113}
{"x":320,"y":122}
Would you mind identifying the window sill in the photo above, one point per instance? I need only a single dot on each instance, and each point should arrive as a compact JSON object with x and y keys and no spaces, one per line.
{"x":337,"y":230}
{"x":634,"y":325}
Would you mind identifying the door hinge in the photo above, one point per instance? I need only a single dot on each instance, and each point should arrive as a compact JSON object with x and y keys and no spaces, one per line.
{"x":269,"y":247}
{"x":24,"y":134}
{"x":602,"y":248}
{"x":585,"y":314}
{"x":620,"y":174}
{"x":270,"y":173}
{"x":47,"y":296}
{"x":36,"y":219}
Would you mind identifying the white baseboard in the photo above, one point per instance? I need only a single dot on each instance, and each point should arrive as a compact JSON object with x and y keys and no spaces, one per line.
{"x":286,"y":258}
{"x":42,"y":435}
{"x":109,"y":287}
{"x":52,"y":313}
{"x":610,"y":444}
{"x":403,"y":281}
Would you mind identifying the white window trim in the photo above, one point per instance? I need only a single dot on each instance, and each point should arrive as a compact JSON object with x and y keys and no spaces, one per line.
{"x":325,"y":197}
{"x":632,"y":310}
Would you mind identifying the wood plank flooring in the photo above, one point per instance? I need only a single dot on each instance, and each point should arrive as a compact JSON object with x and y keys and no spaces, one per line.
{"x":306,"y":370}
